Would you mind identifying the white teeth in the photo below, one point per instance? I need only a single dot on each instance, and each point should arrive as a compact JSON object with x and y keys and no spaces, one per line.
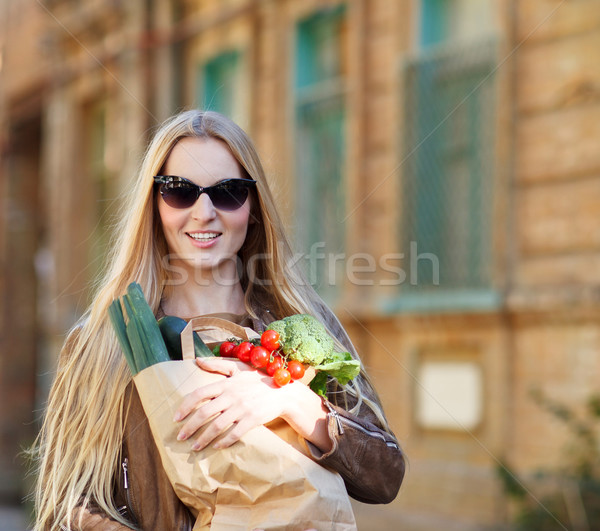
{"x":204,"y":236}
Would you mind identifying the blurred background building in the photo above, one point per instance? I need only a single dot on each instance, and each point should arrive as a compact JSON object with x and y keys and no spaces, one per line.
{"x":446,"y":153}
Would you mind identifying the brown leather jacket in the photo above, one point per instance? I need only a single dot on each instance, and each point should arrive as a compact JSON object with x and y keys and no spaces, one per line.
{"x":368,"y":458}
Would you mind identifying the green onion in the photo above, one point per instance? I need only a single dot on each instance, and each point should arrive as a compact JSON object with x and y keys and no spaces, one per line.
{"x":115,"y":312}
{"x":140,"y":338}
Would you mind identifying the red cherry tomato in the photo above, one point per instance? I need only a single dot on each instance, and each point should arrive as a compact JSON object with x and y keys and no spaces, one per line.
{"x":242,"y":351}
{"x":259,"y":357}
{"x":277,"y":363}
{"x":270,"y":340}
{"x":296,"y":369}
{"x":226,"y":349}
{"x":281,"y":377}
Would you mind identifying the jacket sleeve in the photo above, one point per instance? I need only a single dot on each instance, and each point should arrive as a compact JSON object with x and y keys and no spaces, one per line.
{"x":87,"y":519}
{"x":368,"y":458}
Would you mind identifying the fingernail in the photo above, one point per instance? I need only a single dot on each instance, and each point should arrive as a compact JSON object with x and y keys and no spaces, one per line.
{"x":177,"y":417}
{"x":181,"y":436}
{"x":196,"y":446}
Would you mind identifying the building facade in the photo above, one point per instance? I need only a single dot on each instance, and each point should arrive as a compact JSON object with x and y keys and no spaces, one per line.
{"x":436,"y":162}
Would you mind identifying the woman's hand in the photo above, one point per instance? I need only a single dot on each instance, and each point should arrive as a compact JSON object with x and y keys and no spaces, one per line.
{"x":246,"y":399}
{"x":235,"y":404}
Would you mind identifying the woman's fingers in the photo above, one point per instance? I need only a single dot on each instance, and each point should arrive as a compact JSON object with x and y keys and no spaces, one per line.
{"x":217,"y":427}
{"x":260,"y":404}
{"x":228,"y":367}
{"x":239,"y":429}
{"x":192,"y":400}
{"x":231,"y":407}
{"x":216,"y":365}
{"x":202,"y":415}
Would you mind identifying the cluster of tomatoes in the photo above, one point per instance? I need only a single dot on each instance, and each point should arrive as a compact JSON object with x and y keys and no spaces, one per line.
{"x":267,"y":356}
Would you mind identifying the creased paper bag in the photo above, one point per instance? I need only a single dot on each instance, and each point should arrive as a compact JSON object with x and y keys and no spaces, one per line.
{"x":263,"y":481}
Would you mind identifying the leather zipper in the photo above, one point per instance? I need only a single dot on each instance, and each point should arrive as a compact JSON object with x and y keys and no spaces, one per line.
{"x":333,"y":413}
{"x":371,"y":433}
{"x":130,"y":511}
{"x":125,"y":464}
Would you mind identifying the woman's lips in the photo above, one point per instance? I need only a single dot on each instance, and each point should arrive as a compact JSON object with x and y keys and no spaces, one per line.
{"x":204,"y":239}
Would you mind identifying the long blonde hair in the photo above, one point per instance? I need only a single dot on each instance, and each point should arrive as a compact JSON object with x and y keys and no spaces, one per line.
{"x":78,"y":448}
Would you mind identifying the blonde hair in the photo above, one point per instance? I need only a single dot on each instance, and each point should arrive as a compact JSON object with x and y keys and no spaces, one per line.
{"x":78,"y":448}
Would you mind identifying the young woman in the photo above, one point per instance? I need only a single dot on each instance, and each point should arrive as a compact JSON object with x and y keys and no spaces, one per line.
{"x":201,"y":235}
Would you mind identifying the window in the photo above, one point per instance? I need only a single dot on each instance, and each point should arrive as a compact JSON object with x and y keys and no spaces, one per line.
{"x":449,"y":395}
{"x":320,"y":121}
{"x":449,"y":157}
{"x":449,"y":21}
{"x":221,"y":85}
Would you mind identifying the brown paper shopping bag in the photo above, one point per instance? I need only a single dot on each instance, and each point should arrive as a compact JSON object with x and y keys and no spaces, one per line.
{"x":266,"y":480}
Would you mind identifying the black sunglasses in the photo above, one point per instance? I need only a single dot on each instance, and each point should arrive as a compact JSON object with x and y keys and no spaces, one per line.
{"x":179,"y":192}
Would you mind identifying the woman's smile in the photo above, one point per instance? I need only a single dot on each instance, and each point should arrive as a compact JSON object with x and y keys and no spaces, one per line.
{"x":204,"y":239}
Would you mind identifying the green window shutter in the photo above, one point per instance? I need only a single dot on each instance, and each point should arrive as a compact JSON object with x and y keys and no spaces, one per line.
{"x":448,"y":175}
{"x":221,"y":84}
{"x":320,"y":122}
{"x":434,"y":21}
{"x":319,"y":48}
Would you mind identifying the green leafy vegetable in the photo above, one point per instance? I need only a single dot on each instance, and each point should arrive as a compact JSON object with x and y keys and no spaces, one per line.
{"x":341,"y":366}
{"x":319,"y":384}
{"x":303,"y":338}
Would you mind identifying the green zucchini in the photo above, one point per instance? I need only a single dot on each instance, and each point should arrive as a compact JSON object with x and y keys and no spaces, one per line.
{"x":171,"y":328}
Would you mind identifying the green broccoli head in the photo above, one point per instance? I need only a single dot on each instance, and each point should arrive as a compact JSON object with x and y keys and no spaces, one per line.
{"x":303,"y":338}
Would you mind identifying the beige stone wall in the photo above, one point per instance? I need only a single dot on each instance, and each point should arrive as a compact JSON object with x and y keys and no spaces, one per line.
{"x":555,"y":330}
{"x":557,"y":201}
{"x":557,"y":168}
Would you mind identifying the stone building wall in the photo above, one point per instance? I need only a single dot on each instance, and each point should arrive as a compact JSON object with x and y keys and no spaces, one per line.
{"x":556,"y":203}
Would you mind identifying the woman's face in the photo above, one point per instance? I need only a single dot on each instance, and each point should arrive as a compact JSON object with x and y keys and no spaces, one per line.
{"x":201,"y":236}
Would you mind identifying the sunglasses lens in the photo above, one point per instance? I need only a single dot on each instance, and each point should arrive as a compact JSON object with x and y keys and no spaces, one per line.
{"x":179,"y":194}
{"x":229,"y":195}
{"x":226,"y":195}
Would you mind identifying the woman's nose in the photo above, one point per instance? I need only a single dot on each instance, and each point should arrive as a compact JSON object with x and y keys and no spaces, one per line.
{"x":203,"y":209}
